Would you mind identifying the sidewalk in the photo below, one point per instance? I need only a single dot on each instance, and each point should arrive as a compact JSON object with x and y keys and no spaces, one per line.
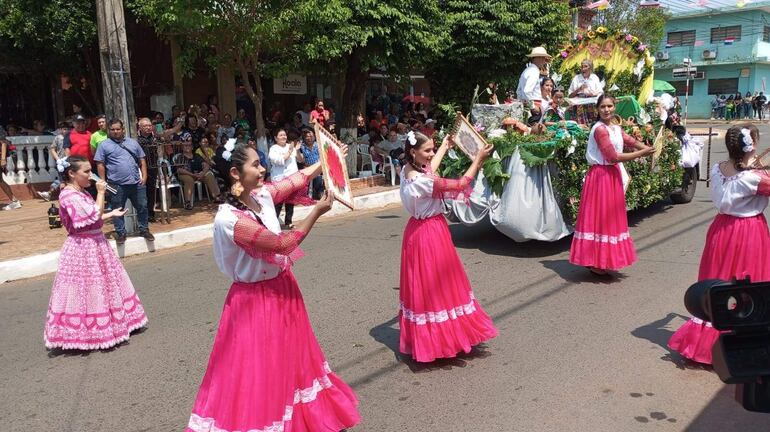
{"x":30,"y":248}
{"x":25,"y":231}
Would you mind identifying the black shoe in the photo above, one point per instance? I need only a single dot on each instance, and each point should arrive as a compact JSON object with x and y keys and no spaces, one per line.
{"x":147,"y":235}
{"x":120,"y":239}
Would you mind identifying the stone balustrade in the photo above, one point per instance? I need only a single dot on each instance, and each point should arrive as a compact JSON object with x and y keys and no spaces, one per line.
{"x":31,"y":162}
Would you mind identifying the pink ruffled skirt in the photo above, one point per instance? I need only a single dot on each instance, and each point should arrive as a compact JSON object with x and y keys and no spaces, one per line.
{"x":439,"y":315}
{"x":736,"y":248}
{"x":266,"y":371}
{"x":93,"y":304}
{"x":601,"y":238}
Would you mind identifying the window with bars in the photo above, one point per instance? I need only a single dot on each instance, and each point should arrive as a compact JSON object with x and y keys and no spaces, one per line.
{"x":719,"y":34}
{"x":766,"y":34}
{"x":723,"y":86}
{"x":680,"y":87}
{"x":681,"y":38}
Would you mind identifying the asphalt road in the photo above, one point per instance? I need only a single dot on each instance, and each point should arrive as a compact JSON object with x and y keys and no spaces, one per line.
{"x":574,"y":353}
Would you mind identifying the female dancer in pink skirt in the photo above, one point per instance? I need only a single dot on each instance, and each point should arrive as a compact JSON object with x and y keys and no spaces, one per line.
{"x":93,"y":304}
{"x":737,"y":242}
{"x":601,"y":241}
{"x":266,"y":371}
{"x":439,"y":315}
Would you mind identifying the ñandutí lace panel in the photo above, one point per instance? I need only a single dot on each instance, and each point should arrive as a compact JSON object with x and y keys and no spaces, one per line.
{"x":261,"y":243}
{"x":455,"y":189}
{"x":292,"y":189}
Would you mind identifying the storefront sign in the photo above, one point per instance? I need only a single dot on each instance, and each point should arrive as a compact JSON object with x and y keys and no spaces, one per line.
{"x":290,"y":84}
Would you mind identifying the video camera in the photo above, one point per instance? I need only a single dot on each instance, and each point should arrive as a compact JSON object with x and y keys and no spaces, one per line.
{"x":741,"y":311}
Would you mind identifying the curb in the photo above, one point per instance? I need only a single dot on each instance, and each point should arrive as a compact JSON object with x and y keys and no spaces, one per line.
{"x":37,"y":265}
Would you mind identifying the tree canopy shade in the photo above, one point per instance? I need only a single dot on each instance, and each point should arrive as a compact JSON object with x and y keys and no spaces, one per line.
{"x":393,"y":37}
{"x":257,"y":38}
{"x":490,"y":40}
{"x":59,"y":35}
{"x":643,"y":22}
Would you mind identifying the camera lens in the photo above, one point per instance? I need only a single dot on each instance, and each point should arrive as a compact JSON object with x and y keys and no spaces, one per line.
{"x":740,"y":305}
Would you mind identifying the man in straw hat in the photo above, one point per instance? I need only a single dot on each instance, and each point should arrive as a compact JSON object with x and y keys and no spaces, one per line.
{"x":529,"y":82}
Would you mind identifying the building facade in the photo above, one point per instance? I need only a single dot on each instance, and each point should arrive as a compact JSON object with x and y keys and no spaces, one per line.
{"x":729,"y":46}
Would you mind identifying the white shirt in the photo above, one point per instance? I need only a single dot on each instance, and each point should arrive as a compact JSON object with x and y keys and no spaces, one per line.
{"x":529,"y":84}
{"x":389,"y":146}
{"x":305,"y":117}
{"x":593,"y":154}
{"x":281,"y":167}
{"x":737,"y":195}
{"x":593,"y":85}
{"x":417,"y":196}
{"x":231,"y":259}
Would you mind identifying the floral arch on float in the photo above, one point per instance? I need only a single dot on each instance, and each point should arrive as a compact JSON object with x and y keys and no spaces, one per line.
{"x":620,"y":59}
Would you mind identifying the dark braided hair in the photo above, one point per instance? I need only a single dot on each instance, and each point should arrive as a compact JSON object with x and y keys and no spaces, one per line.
{"x":421,"y":139}
{"x":221,"y":169}
{"x":76,"y":162}
{"x":734,"y":144}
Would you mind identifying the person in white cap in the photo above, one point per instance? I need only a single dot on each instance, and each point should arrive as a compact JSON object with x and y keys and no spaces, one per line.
{"x":529,"y":82}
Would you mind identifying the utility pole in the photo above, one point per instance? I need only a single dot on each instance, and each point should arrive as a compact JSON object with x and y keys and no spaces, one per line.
{"x":116,"y":70}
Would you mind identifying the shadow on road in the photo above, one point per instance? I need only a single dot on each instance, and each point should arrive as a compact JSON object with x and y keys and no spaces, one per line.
{"x":723,"y":413}
{"x":658,"y":332}
{"x":487,"y":239}
{"x":387,"y":334}
{"x":636,"y":217}
{"x":577,"y":274}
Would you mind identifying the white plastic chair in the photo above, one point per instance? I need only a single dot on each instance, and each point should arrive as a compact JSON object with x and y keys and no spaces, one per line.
{"x":200,"y":188}
{"x":389,"y":166}
{"x":173,"y":182}
{"x":366,"y":157}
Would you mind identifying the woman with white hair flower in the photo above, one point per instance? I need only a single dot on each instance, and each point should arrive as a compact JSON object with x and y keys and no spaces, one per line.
{"x":738,"y":241}
{"x":439,"y":314}
{"x":93,"y":304}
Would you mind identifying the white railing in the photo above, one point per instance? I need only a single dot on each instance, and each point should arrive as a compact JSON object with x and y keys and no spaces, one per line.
{"x":32,"y":162}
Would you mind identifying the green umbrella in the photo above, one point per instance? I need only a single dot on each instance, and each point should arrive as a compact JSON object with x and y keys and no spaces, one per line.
{"x":662,"y":86}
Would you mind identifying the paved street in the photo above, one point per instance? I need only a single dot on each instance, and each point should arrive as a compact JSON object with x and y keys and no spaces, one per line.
{"x":574,"y":353}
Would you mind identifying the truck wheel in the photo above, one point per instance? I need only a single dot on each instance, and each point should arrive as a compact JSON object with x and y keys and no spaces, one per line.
{"x":689,"y":182}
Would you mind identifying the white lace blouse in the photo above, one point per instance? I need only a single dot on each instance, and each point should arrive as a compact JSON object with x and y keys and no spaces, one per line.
{"x":422,"y":195}
{"x":250,"y":247}
{"x":742,"y":195}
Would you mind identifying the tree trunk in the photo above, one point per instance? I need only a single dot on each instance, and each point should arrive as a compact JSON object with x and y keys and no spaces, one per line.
{"x":260,"y":96}
{"x":92,"y":80}
{"x":354,"y":96}
{"x":116,"y":67}
{"x":255,"y":94}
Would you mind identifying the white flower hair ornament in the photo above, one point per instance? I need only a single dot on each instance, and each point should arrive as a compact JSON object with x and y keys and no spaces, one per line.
{"x":411,"y":138}
{"x":229,"y":147}
{"x":62,"y":164}
{"x":748,"y":142}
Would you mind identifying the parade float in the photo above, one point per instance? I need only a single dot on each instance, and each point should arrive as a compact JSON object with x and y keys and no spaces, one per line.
{"x":530,"y":188}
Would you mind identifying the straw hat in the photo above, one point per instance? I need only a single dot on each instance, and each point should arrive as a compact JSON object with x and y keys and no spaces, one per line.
{"x":538,"y":52}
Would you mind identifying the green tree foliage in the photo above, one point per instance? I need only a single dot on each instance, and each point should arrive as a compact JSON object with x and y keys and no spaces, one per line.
{"x":394,"y":37}
{"x":259,"y":39}
{"x":57,"y":35}
{"x":490,"y":40}
{"x":645,"y":23}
